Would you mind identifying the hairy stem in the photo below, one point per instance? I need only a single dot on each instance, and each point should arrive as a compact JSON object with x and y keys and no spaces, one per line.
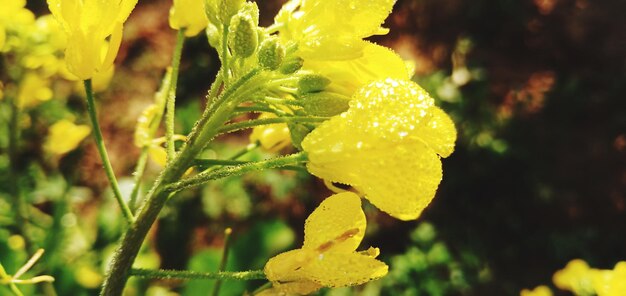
{"x":171,"y":98}
{"x":193,"y":275}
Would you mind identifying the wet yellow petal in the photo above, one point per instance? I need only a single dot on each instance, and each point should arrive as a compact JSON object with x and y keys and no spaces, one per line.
{"x":344,"y":269}
{"x":285,"y":271}
{"x":113,"y":48}
{"x":336,"y":225}
{"x":64,"y":136}
{"x":438,"y":133}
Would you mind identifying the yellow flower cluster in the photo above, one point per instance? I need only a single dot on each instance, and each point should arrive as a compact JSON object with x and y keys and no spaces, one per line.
{"x":387,"y":144}
{"x":575,"y":277}
{"x":579,"y":278}
{"x":328,"y":257}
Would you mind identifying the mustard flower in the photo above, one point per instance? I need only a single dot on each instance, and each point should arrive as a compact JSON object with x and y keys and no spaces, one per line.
{"x":88,"y":24}
{"x":328,"y":257}
{"x":33,"y":90}
{"x":575,"y":277}
{"x":538,"y":291}
{"x":387,"y":146}
{"x":188,"y":14}
{"x":610,"y":282}
{"x":331,"y":30}
{"x":65,"y":136}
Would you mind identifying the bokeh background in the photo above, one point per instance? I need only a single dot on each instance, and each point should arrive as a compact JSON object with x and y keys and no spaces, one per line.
{"x":535,"y":87}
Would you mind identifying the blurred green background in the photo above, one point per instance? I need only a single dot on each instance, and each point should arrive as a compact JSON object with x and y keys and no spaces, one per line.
{"x":535,"y":87}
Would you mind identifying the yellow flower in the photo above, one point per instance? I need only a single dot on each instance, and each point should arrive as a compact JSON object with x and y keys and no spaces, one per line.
{"x":387,"y":146}
{"x":64,"y":136}
{"x":331,"y":30}
{"x":575,"y":277}
{"x":610,"y":282}
{"x":538,"y":291}
{"x":188,"y":14}
{"x":33,"y":90}
{"x":328,"y":257}
{"x":88,"y":23}
{"x":272,"y":137}
{"x":346,"y":76}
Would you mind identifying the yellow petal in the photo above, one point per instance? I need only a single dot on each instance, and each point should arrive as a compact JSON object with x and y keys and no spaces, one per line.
{"x":113,"y":48}
{"x":376,"y":63}
{"x":272,"y":137}
{"x":344,"y":269}
{"x":575,"y":277}
{"x":285,"y":271}
{"x":64,"y":136}
{"x":158,"y":155}
{"x":438,"y":133}
{"x":336,"y":225}
{"x":188,"y":14}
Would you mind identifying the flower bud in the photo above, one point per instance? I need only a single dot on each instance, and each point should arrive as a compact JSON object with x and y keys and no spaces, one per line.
{"x":228,"y":8}
{"x":211,"y":11}
{"x":243,"y":39}
{"x":271,"y":53}
{"x":291,"y":65}
{"x":297,"y":133}
{"x":311,"y":83}
{"x":324,"y":103}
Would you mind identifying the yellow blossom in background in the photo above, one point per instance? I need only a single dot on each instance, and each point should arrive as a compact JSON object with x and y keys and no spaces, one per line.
{"x":64,"y":136}
{"x":387,"y":146}
{"x":346,"y":76}
{"x":538,"y":291}
{"x":575,"y":277}
{"x":328,"y":257}
{"x":46,"y":42}
{"x":272,"y":137}
{"x":33,"y":90}
{"x":88,"y":24}
{"x":331,"y":30}
{"x":610,"y":282}
{"x":12,"y":13}
{"x":188,"y":14}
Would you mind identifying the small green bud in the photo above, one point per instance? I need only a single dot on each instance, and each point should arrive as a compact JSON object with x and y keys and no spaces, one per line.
{"x":228,"y":8}
{"x":210,"y":9}
{"x":324,"y":103}
{"x":310,"y":83}
{"x":297,"y":133}
{"x":252,"y":10}
{"x":291,"y":65}
{"x":271,"y":53}
{"x":214,"y":36}
{"x":243,"y":38}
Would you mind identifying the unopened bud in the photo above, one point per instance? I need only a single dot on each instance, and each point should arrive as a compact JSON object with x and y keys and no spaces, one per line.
{"x":243,"y":39}
{"x":324,"y":103}
{"x":211,"y":11}
{"x":291,"y":65}
{"x":252,"y":10}
{"x":271,"y":54}
{"x":311,"y":83}
{"x":228,"y":8}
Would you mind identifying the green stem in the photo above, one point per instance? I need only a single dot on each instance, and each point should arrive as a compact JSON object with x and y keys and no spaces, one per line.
{"x":171,"y":100}
{"x":225,"y":55}
{"x":91,"y":108}
{"x":194,"y":275}
{"x":216,"y":114}
{"x":138,"y":175}
{"x":218,"y":283}
{"x":19,"y":204}
{"x":224,"y":172}
{"x":265,"y":121}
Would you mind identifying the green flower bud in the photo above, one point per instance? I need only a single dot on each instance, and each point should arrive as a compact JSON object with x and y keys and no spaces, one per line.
{"x":297,"y":133}
{"x":252,"y":10}
{"x":291,"y":65}
{"x":310,"y":83}
{"x":324,"y":103}
{"x":243,"y":38}
{"x":228,"y":8}
{"x":210,"y":9}
{"x":214,"y":36}
{"x":271,"y":54}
